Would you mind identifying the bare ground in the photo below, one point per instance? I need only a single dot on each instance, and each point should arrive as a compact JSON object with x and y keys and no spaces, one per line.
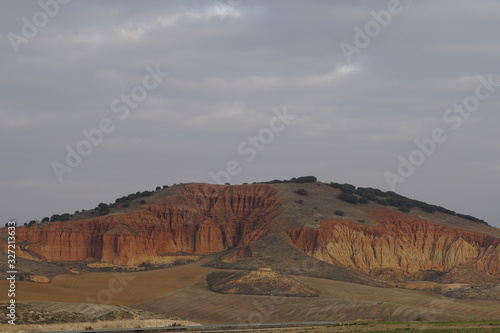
{"x":182,"y":292}
{"x":137,"y":286}
{"x":338,"y":301}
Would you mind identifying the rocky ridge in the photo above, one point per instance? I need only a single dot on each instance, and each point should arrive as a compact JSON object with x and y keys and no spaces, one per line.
{"x":202,"y":219}
{"x":399,"y":247}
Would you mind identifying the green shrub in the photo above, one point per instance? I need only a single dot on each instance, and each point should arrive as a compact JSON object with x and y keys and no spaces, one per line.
{"x":133,"y":196}
{"x":348,"y":197}
{"x":404,"y":209}
{"x":298,"y":180}
{"x":102,"y":209}
{"x":392,"y":194}
{"x":425,"y":207}
{"x":401,"y":202}
{"x":301,"y":191}
{"x":363,"y":200}
{"x":102,"y":212}
{"x":366,"y":192}
{"x":472,"y":218}
{"x":339,"y":213}
{"x":347,"y":188}
{"x":444,"y":210}
{"x":305,"y":179}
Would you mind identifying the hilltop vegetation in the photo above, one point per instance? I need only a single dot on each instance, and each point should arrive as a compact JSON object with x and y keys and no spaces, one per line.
{"x":350,"y":194}
{"x":363,"y":195}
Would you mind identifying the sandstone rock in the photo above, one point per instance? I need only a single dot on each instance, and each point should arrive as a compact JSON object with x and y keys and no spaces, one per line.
{"x":202,"y":219}
{"x":400,"y":243}
{"x":38,"y":278}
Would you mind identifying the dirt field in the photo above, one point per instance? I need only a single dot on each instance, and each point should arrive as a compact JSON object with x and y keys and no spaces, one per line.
{"x":182,"y":292}
{"x":339,"y":301}
{"x":124,"y":288}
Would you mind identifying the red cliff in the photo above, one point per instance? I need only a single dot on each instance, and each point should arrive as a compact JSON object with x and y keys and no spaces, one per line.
{"x":202,"y":219}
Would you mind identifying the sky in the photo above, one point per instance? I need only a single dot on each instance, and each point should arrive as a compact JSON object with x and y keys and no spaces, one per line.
{"x":100,"y":99}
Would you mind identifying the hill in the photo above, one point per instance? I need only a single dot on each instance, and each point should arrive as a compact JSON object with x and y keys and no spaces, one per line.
{"x":310,"y":236}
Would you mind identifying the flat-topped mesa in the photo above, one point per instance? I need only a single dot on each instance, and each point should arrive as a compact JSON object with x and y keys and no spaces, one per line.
{"x":400,"y":242}
{"x":201,"y":219}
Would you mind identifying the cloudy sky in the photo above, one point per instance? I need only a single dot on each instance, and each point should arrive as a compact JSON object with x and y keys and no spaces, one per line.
{"x":173,"y":91}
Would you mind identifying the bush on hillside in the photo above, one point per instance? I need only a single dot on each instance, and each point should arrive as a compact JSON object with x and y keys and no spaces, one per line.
{"x":363,"y":200}
{"x":298,"y":180}
{"x":102,"y":209}
{"x":348,"y":197}
{"x":347,"y":188}
{"x":305,"y":179}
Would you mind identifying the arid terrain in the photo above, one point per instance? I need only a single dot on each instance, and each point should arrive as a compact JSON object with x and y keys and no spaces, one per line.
{"x":276,"y":252}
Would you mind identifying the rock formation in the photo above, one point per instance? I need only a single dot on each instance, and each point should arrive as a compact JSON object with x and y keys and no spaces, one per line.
{"x":400,"y":244}
{"x":201,"y":219}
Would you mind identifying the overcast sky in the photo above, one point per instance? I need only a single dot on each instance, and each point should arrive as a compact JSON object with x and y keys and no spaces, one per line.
{"x":356,"y":94}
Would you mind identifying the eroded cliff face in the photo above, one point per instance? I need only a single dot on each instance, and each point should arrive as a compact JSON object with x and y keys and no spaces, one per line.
{"x":401,"y":243}
{"x":202,"y":219}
